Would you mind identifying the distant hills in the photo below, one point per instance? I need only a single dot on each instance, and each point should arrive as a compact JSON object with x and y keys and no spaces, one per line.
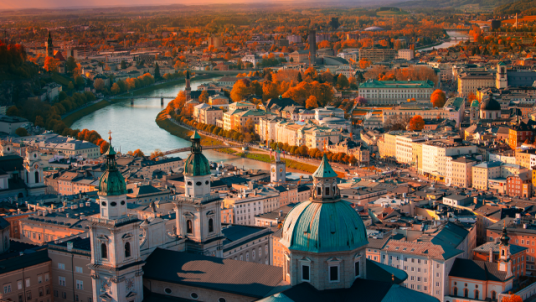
{"x":528,"y":7}
{"x":458,"y":4}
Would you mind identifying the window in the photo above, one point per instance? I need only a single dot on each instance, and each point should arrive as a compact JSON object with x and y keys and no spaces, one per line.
{"x":305,"y":272}
{"x":40,"y":291}
{"x":334,"y":274}
{"x":61,"y":266}
{"x":127,"y":249}
{"x":356,"y":269}
{"x":79,"y":284}
{"x":210,"y":225}
{"x":167,"y":290}
{"x":61,"y":281}
{"x":79,"y":269}
{"x":194,"y":295}
{"x":476,"y":294}
{"x":56,"y":293}
{"x":39,"y":279}
{"x":19,"y":284}
{"x":189,"y":227}
{"x":493,"y":295}
{"x":64,"y":295}
{"x":7,"y":289}
{"x":27,"y":282}
{"x":29,"y":295}
{"x":104,"y":251}
{"x":47,"y":290}
{"x":46,"y":277}
{"x":465,"y":293}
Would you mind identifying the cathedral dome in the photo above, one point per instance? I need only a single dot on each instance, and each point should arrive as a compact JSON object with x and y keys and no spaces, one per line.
{"x":112,"y":182}
{"x":323,"y":227}
{"x":325,"y":223}
{"x":196,"y":164}
{"x":490,"y":105}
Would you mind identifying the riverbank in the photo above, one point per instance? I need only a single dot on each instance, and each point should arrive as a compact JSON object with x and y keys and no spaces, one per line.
{"x":71,"y":118}
{"x":292,"y":165}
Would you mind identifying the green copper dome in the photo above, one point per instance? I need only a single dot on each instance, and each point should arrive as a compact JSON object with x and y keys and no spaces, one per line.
{"x":323,"y":227}
{"x":475,"y":103}
{"x":196,"y":164}
{"x":112,"y":182}
{"x":324,"y":170}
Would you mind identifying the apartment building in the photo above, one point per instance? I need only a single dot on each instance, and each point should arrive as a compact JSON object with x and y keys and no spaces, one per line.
{"x":375,"y":54}
{"x":460,"y":171}
{"x":72,"y":278}
{"x":434,"y":155}
{"x":247,"y":204}
{"x":470,"y":82}
{"x":394,"y":92}
{"x":404,"y":147}
{"x":483,"y":172}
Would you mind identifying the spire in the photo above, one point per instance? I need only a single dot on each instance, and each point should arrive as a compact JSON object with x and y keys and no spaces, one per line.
{"x":504,"y":236}
{"x":196,"y":142}
{"x":324,"y":170}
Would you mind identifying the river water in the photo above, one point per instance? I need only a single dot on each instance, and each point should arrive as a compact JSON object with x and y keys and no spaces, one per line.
{"x":455,"y":38}
{"x":134,"y":127}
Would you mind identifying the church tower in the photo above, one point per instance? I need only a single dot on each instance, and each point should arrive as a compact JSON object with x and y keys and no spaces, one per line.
{"x":188,"y":89}
{"x":502,"y":76}
{"x":198,"y":212}
{"x":278,"y":169}
{"x":33,"y":176}
{"x":116,"y":265}
{"x":50,"y":47}
{"x":474,"y":111}
{"x":505,"y":265}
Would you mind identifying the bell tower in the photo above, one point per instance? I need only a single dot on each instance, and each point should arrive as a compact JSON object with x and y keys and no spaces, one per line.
{"x":278,"y":169}
{"x":474,"y":111}
{"x":116,"y":265}
{"x":188,"y":89}
{"x":50,"y":47}
{"x":198,"y":212}
{"x":33,"y":176}
{"x":502,"y":76}
{"x":505,"y":265}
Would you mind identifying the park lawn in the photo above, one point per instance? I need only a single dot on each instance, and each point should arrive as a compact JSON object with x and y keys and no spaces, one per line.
{"x":71,"y":118}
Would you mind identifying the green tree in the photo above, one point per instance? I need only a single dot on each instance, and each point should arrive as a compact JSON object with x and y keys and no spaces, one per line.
{"x":342,"y":82}
{"x":70,"y":86}
{"x":98,"y":84}
{"x":70,"y":65}
{"x":79,"y":81}
{"x":115,"y":88}
{"x":123,"y":65}
{"x":13,"y":111}
{"x":21,"y":132}
{"x":39,"y":121}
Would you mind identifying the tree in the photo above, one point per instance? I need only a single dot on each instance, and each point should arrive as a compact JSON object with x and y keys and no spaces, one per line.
{"x":241,"y":89}
{"x":438,"y":98}
{"x":512,"y":298}
{"x":70,"y":86}
{"x":70,"y":65}
{"x":156,"y":153}
{"x":342,"y":82}
{"x":136,"y":153}
{"x":39,"y":121}
{"x":470,"y":98}
{"x":115,"y":88}
{"x":416,"y":123}
{"x":123,"y":65}
{"x":203,"y":97}
{"x":364,"y":63}
{"x":311,"y":102}
{"x":79,"y":81}
{"x":98,"y":84}
{"x":21,"y":132}
{"x":156,"y":71}
{"x":51,"y":64}
{"x":334,"y":23}
{"x":361,"y":101}
{"x":13,"y":111}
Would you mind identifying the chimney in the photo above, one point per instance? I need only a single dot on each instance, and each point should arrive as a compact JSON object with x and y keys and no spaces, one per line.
{"x":280,"y":213}
{"x":490,"y":254}
{"x":69,"y":246}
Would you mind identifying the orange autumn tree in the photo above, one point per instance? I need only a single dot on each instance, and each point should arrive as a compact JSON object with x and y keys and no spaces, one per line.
{"x":311,"y":102}
{"x":470,"y":98}
{"x":512,"y":298}
{"x":438,"y":98}
{"x":416,"y":123}
{"x":51,"y":65}
{"x":364,"y":63}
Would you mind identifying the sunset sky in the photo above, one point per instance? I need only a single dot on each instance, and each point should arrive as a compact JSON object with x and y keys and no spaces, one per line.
{"x":10,"y":4}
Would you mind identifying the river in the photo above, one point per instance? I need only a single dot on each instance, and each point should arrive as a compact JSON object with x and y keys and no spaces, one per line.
{"x":455,"y":38}
{"x":134,"y":127}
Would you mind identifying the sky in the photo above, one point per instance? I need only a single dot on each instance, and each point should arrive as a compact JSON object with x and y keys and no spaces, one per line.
{"x":55,"y":4}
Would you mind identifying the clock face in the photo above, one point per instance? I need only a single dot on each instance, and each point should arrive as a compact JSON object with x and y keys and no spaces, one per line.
{"x":273,"y":169}
{"x":130,"y":284}
{"x":36,"y":166}
{"x":280,"y":169}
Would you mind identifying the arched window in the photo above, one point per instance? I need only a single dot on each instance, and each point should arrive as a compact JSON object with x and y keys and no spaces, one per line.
{"x":104,"y":251}
{"x":493,"y":295}
{"x":189,"y":227}
{"x":210,"y":225}
{"x":127,"y":249}
{"x":465,"y":292}
{"x":476,"y":294}
{"x":502,"y":252}
{"x":455,"y":292}
{"x":36,"y":176}
{"x":318,"y":190}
